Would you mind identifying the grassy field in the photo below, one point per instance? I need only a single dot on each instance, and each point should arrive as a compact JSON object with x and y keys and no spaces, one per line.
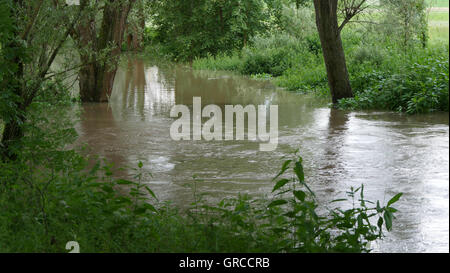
{"x":439,"y":24}
{"x":439,"y":3}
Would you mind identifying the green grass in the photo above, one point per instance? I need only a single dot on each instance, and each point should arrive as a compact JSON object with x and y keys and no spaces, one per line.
{"x":439,"y":27}
{"x":439,"y":3}
{"x":439,"y":16}
{"x":227,"y":63}
{"x":439,"y":35}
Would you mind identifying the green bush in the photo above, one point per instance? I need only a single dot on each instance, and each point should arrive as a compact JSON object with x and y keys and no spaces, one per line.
{"x":304,"y":79}
{"x":272,"y":55}
{"x":383,"y":75}
{"x":264,"y":63}
{"x":222,"y":62}
{"x":362,"y":54}
{"x":44,"y":208}
{"x":420,"y":88}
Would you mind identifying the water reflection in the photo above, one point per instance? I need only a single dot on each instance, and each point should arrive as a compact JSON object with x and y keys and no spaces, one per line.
{"x":387,"y":152}
{"x":335,"y":141}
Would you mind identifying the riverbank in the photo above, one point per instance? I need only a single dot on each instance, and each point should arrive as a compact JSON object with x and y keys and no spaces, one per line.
{"x":383,"y":77}
{"x":110,"y":177}
{"x":387,"y":152}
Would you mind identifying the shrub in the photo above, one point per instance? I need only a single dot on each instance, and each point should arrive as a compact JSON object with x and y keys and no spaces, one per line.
{"x":45,"y":206}
{"x":225,"y":62}
{"x":304,"y":78}
{"x":421,"y":88}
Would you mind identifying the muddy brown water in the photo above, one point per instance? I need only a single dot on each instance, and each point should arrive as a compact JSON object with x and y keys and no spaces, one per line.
{"x":387,"y":152}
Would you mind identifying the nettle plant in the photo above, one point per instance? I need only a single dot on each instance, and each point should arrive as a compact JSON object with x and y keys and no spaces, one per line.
{"x":295,"y":209}
{"x":290,"y":221}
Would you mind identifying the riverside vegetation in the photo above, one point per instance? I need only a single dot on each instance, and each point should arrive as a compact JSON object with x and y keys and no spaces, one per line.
{"x":397,"y":53}
{"x":51,"y":194}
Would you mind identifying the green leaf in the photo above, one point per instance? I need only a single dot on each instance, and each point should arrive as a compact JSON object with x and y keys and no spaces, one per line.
{"x":283,"y":168}
{"x":378,"y":206}
{"x":359,"y":218}
{"x":140,"y":211}
{"x":283,"y":192}
{"x":279,"y":230}
{"x":393,"y":210}
{"x":277,"y":203}
{"x":394,"y":199}
{"x":95,"y":168}
{"x":299,"y":171}
{"x":280,"y":184}
{"x":140,"y":165}
{"x":388,"y":220}
{"x":380,"y":223}
{"x":150,"y":207}
{"x":124,"y":182}
{"x":107,"y":188}
{"x":300,"y":195}
{"x":151,"y":192}
{"x":290,"y":214}
{"x":123,"y":200}
{"x":363,"y":203}
{"x":339,"y":200}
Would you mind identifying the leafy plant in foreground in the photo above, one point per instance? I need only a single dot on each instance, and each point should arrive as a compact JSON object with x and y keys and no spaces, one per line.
{"x":46,"y":206}
{"x":349,"y":230}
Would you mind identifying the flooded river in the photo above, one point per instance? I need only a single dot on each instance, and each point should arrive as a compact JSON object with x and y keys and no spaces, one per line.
{"x":387,"y":152}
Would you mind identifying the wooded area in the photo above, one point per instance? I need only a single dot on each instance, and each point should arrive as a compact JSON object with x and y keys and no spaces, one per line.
{"x":384,"y":55}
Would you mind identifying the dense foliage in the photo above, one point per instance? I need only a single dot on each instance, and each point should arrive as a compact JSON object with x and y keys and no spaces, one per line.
{"x":193,"y":28}
{"x":392,"y":64}
{"x":416,"y":86}
{"x":51,"y":194}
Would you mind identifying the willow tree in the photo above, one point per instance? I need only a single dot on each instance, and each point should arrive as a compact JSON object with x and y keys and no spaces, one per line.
{"x":100,"y":42}
{"x":327,"y":12}
{"x":136,"y":27}
{"x":196,"y":28}
{"x":32,"y":35}
{"x":406,"y":21}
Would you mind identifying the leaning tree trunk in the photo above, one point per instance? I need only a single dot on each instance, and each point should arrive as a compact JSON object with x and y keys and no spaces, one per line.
{"x":13,"y":130}
{"x":87,"y":76}
{"x":97,"y":76}
{"x":134,"y":38}
{"x":333,"y":51}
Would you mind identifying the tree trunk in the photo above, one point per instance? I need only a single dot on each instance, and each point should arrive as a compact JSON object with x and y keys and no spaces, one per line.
{"x":333,"y":51}
{"x":141,"y":14}
{"x":22,"y":87}
{"x":13,"y":131}
{"x":134,"y":38}
{"x":97,"y":76}
{"x":87,"y":36}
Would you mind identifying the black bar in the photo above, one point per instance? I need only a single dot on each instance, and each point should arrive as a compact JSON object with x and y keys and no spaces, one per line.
{"x":225,"y":262}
